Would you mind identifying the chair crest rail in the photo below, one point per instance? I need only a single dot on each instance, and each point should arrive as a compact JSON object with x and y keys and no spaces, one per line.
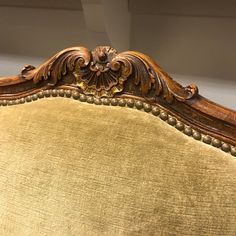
{"x":104,"y":73}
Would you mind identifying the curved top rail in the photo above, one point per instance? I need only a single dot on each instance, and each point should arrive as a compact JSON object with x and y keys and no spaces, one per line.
{"x":104,"y":73}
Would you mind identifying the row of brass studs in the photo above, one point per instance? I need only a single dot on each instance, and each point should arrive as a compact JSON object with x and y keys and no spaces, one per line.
{"x":187,"y":130}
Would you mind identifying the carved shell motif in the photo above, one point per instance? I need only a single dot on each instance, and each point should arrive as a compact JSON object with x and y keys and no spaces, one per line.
{"x":103,"y":73}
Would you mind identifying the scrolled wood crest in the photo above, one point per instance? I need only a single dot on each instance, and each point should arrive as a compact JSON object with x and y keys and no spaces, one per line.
{"x":104,"y":73}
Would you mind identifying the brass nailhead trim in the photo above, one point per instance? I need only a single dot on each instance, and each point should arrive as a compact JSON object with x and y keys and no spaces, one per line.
{"x":62,"y":93}
{"x":54,"y":93}
{"x":188,"y":131}
{"x":155,"y":111}
{"x":147,"y":107}
{"x":34,"y":97}
{"x":172,"y":121}
{"x":138,"y":105}
{"x":75,"y":94}
{"x":46,"y":93}
{"x":28,"y":99}
{"x":97,"y":101}
{"x":17,"y":101}
{"x":122,"y":102}
{"x":68,"y":93}
{"x":9,"y":103}
{"x":179,"y":126}
{"x":105,"y":101}
{"x":233,"y":151}
{"x":163,"y":115}
{"x":130,"y":103}
{"x":207,"y":139}
{"x":82,"y":98}
{"x":40,"y":94}
{"x":4,"y":102}
{"x":225,"y":147}
{"x":22,"y":100}
{"x":114,"y":102}
{"x":90,"y":99}
{"x":216,"y":142}
{"x":197,"y":135}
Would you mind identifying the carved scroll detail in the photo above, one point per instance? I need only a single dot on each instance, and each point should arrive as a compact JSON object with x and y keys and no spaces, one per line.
{"x":103,"y":73}
{"x":129,"y":75}
{"x":153,"y":81}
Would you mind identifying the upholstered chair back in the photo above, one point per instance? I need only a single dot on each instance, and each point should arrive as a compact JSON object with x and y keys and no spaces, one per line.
{"x":101,"y":143}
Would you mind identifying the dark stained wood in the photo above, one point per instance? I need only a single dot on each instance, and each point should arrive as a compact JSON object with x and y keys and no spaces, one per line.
{"x":105,"y":73}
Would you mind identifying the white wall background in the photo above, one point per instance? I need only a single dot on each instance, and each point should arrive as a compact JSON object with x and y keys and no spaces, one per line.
{"x":193,"y":48}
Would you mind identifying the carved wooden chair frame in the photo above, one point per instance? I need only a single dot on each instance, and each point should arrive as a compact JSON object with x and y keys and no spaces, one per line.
{"x":130,"y":79}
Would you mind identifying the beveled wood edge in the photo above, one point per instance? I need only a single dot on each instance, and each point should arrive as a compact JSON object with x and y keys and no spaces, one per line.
{"x":103,"y":73}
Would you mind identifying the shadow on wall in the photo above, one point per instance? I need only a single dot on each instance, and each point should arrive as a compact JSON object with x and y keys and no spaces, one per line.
{"x":198,"y":50}
{"x":43,"y":32}
{"x":200,"y":46}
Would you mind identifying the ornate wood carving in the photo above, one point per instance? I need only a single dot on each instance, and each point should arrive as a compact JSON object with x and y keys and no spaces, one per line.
{"x":104,"y":73}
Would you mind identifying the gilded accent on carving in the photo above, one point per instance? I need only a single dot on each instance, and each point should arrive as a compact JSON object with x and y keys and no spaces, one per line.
{"x":103,"y":73}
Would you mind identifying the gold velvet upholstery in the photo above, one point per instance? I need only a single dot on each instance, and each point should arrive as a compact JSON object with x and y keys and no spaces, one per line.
{"x":69,"y":168}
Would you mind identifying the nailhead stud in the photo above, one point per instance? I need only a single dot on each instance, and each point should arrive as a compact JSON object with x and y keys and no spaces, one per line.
{"x":61,"y":92}
{"x":163,"y":115}
{"x":179,"y":126}
{"x":22,"y":100}
{"x":75,"y":94}
{"x":34,"y":97}
{"x":4,"y":102}
{"x":206,"y":139}
{"x":172,"y":121}
{"x":97,"y":101}
{"x":54,"y":93}
{"x":216,"y":142}
{"x":28,"y":99}
{"x":9,"y":102}
{"x":47,"y":93}
{"x":225,"y":147}
{"x":83,"y":98}
{"x":122,"y":102}
{"x":114,"y":102}
{"x":130,"y":102}
{"x":188,"y":130}
{"x":106,"y":101}
{"x":90,"y":99}
{"x":197,"y":135}
{"x":139,"y":105}
{"x":17,"y":101}
{"x":68,"y":93}
{"x":233,"y":151}
{"x":147,"y":107}
{"x":40,"y":94}
{"x":155,"y":111}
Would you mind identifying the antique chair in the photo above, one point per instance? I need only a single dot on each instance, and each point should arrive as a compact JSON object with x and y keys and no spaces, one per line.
{"x":100,"y":143}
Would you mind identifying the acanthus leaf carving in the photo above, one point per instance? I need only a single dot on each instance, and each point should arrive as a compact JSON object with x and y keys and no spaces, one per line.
{"x":103,"y":73}
{"x":149,"y":76}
